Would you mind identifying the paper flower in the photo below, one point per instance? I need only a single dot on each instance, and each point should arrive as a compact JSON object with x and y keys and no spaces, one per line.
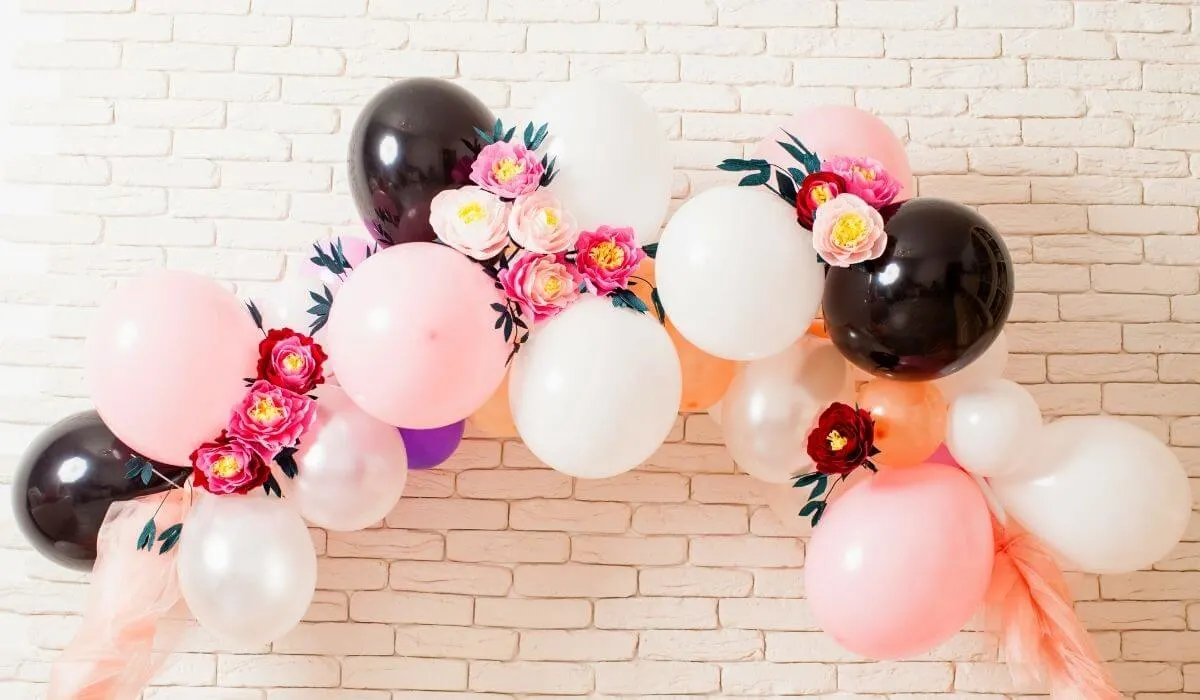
{"x":228,"y":465}
{"x":608,"y":257}
{"x":817,"y":189}
{"x":866,"y":178}
{"x":542,"y":285}
{"x":471,"y":221}
{"x":847,"y":230}
{"x":507,"y":170}
{"x":270,"y":418}
{"x":843,"y":440}
{"x":291,"y":360}
{"x":539,"y":223}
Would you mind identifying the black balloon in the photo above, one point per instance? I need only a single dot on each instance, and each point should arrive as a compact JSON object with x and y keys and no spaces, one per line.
{"x":65,"y":483}
{"x":411,"y":142}
{"x":932,"y":303}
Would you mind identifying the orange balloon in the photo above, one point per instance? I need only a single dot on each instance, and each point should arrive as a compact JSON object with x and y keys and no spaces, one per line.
{"x":910,"y":420}
{"x":705,"y":378}
{"x":495,"y":417}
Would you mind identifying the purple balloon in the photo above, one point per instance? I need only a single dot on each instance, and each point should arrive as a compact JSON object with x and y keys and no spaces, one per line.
{"x":429,"y":448}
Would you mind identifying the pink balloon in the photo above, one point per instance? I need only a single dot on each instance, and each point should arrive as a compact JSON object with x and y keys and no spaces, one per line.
{"x":902,"y":561}
{"x":165,"y":362}
{"x":413,"y":338}
{"x":354,"y":248}
{"x":841,"y":131}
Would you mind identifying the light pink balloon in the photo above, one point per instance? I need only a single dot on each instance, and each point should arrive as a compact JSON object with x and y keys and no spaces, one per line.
{"x":902,"y":561}
{"x":413,"y":336}
{"x":841,"y":131}
{"x":165,"y":362}
{"x":356,"y":251}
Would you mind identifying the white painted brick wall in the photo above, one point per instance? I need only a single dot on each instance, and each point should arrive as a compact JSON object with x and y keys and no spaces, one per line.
{"x":211,"y":136}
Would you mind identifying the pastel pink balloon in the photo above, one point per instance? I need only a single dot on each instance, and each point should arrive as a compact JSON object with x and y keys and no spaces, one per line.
{"x":841,"y":131}
{"x":356,"y":251}
{"x":165,"y":362}
{"x":413,"y":338}
{"x":902,"y":562}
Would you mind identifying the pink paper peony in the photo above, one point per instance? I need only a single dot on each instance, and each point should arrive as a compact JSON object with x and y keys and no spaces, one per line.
{"x":228,"y":465}
{"x":507,"y":170}
{"x":847,"y":230}
{"x":270,"y":418}
{"x":471,"y":221}
{"x":866,"y":178}
{"x":542,"y":285}
{"x":538,"y":223}
{"x":291,"y":360}
{"x":608,"y":257}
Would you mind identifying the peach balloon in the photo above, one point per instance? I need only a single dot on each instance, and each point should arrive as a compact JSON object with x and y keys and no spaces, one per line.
{"x":910,"y":420}
{"x":841,"y":131}
{"x":413,"y":336}
{"x":495,"y":417}
{"x":705,"y":378}
{"x":165,"y":362}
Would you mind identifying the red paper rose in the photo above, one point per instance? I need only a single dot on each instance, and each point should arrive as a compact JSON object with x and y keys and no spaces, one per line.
{"x":291,"y":360}
{"x":228,"y":465}
{"x":817,"y":189}
{"x":843,"y":440}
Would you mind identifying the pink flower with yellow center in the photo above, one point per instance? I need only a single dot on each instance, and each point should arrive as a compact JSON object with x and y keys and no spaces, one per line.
{"x":865,"y":178}
{"x":607,"y":258}
{"x":228,"y":465}
{"x":847,"y":230}
{"x":507,"y":170}
{"x":270,"y":418}
{"x":291,"y":360}
{"x":538,"y":223}
{"x":542,"y":285}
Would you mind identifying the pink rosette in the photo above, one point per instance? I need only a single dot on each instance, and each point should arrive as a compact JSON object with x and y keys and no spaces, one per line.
{"x":866,"y":178}
{"x":291,"y":360}
{"x":507,"y":170}
{"x":608,"y":257}
{"x":847,"y":230}
{"x":228,"y":465}
{"x":538,"y":223}
{"x":542,"y":285}
{"x":271,"y":418}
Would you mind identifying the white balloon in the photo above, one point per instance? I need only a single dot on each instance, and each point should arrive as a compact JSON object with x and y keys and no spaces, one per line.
{"x":991,"y":428}
{"x":614,"y":165}
{"x":596,"y":389}
{"x":247,"y":568}
{"x":986,"y":367}
{"x":351,"y":468}
{"x":714,"y":412}
{"x":737,"y":275}
{"x":1105,"y":495}
{"x":286,"y":304}
{"x":772,"y":404}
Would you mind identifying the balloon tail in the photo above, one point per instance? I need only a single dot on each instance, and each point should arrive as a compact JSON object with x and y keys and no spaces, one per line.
{"x":1029,"y":604}
{"x":113,"y":656}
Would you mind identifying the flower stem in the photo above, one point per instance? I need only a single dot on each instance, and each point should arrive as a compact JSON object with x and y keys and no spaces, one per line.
{"x":169,"y":481}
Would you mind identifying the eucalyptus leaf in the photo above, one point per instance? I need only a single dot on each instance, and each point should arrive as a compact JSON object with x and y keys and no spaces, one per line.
{"x":169,"y":538}
{"x":540,"y":136}
{"x":255,"y":314}
{"x":755,"y":179}
{"x":806,"y":479}
{"x":286,"y":459}
{"x":271,"y":486}
{"x":651,"y":250}
{"x":146,"y":539}
{"x":658,"y":307}
{"x":820,"y":487}
{"x":787,"y":188}
{"x":528,"y":136}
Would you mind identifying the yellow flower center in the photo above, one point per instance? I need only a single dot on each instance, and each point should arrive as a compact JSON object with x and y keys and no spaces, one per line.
{"x":226,"y":467}
{"x":293,"y":362}
{"x":506,"y":169}
{"x":850,"y":230}
{"x":265,"y":411}
{"x":607,"y":255}
{"x":836,"y":441}
{"x":550,"y":218}
{"x":820,"y":195}
{"x":471,"y":212}
{"x":865,"y":173}
{"x":552,"y":286}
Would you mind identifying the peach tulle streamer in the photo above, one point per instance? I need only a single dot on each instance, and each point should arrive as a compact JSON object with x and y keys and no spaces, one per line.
{"x":113,"y":655}
{"x":1029,"y":603}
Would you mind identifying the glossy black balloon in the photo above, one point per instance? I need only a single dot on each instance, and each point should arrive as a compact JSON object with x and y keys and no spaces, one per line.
{"x":410,"y":143}
{"x":65,"y":483}
{"x":932,"y":303}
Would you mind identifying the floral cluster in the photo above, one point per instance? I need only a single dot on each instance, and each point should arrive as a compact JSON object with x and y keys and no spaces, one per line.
{"x":842,"y":440}
{"x":508,"y":221}
{"x":839,"y":199}
{"x":267,"y":424}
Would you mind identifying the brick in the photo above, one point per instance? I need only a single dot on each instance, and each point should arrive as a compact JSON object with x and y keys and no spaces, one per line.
{"x":1128,"y":162}
{"x":59,"y":112}
{"x":1126,"y":615}
{"x":313,"y":8}
{"x":1054,"y":43}
{"x":625,"y":68}
{"x":411,"y":608}
{"x":349,"y":33}
{"x":691,"y":459}
{"x":701,"y":645}
{"x":1064,"y":337}
{"x":1105,"y":16}
{"x":1108,"y":75}
{"x":569,"y":38}
{"x":1052,"y":278}
{"x":805,"y":646}
{"x":690,"y":519}
{"x":656,"y":677}
{"x":1141,"y":220}
{"x":963,"y":131}
{"x":153,"y":231}
{"x":854,"y":72}
{"x":175,"y":113}
{"x":726,"y":488}
{"x":399,"y":64}
{"x":1023,"y":160}
{"x":1091,"y":131}
{"x":117,"y":27}
{"x":766,"y":614}
{"x":513,"y":484}
{"x":436,"y":514}
{"x":766,"y":99}
{"x":574,"y":580}
{"x":1144,"y":279}
{"x":956,"y":43}
{"x":533,"y":614}
{"x":292,"y":60}
{"x":287,"y":671}
{"x":634,"y":487}
{"x":976,"y":190}
{"x":906,"y":677}
{"x":450,"y":577}
{"x":943,"y":73}
{"x":400,"y":673}
{"x":72,"y":54}
{"x":1028,"y":102}
{"x":656,"y":613}
{"x":537,"y":11}
{"x":531,"y":676}
{"x":433,"y":641}
{"x":1178,"y":368}
{"x":1151,"y":399}
{"x":899,"y":15}
{"x":56,"y":170}
{"x":241,"y":88}
{"x":1162,"y":337}
{"x":634,"y":551}
{"x":747,"y":70}
{"x":508,"y":547}
{"x":1036,"y":218}
{"x":578,"y":645}
{"x":1129,"y":308}
{"x":430,"y":10}
{"x":1171,"y":48}
{"x":1161,"y":646}
{"x":1173,"y":250}
{"x":1084,"y":189}
{"x":171,"y":7}
{"x":695,"y":582}
{"x":762,"y":678}
{"x":1018,"y":13}
{"x":1087,"y":249}
{"x":570,"y":516}
{"x":236,"y":31}
{"x":1176,"y":191}
{"x":717,"y":551}
{"x":719,"y":41}
{"x":722,"y":127}
{"x":513,"y":67}
{"x":1149,"y":585}
{"x":1170,"y":78}
{"x":114,"y":142}
{"x":336,"y":638}
{"x":110,"y":201}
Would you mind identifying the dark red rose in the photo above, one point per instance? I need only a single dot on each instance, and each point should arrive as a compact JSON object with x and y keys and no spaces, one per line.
{"x":817,"y":188}
{"x":843,"y":440}
{"x":291,"y":361}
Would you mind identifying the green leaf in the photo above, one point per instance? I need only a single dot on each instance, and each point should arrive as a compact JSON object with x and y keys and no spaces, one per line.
{"x":272,"y":487}
{"x":787,"y":189}
{"x":316,"y":297}
{"x":318,"y":323}
{"x":814,"y":510}
{"x":169,"y":538}
{"x":658,"y":307}
{"x":816,"y":518}
{"x":286,"y":459}
{"x":499,"y":322}
{"x":508,"y":327}
{"x":255,"y":314}
{"x":797,"y":175}
{"x":755,"y":179}
{"x":540,"y":136}
{"x":497,"y":131}
{"x":146,"y":539}
{"x":527,"y":137}
{"x":509,"y":134}
{"x":733,"y":165}
{"x":497,"y":307}
{"x":340,"y":255}
{"x":625,"y":299}
{"x":822,"y":484}
{"x":810,"y":160}
{"x":651,"y":250}
{"x":139,"y":468}
{"x":485,"y":136}
{"x":549,"y":172}
{"x":806,"y":479}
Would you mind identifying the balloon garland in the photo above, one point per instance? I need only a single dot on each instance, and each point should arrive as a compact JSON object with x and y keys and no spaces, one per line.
{"x":516,"y":279}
